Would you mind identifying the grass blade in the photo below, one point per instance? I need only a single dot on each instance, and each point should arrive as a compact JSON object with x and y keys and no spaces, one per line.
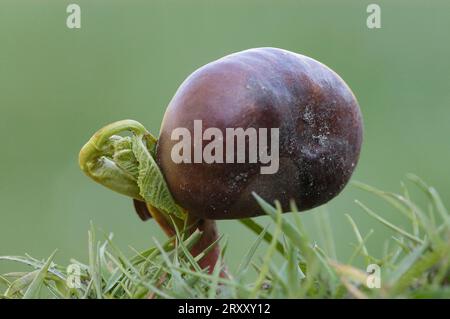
{"x":389,"y":225}
{"x":94,"y":263}
{"x":258,"y":229}
{"x":34,"y":288}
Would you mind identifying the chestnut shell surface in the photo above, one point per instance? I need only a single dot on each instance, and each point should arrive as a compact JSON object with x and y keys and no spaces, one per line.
{"x":320,"y":133}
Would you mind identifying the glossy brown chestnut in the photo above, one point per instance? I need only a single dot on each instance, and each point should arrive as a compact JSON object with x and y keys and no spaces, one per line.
{"x":320,"y":132}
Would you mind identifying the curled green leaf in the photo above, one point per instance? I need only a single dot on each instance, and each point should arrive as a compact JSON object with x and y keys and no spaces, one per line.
{"x":153,"y":187}
{"x":126,"y":164}
{"x":107,"y":157}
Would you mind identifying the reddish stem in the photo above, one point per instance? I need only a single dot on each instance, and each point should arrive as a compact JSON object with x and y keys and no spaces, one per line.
{"x":206,"y":226}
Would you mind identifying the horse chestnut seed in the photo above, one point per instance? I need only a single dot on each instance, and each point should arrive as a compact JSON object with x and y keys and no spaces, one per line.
{"x":318,"y":120}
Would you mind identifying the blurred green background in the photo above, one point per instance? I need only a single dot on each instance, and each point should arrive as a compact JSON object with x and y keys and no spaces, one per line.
{"x":58,"y":86}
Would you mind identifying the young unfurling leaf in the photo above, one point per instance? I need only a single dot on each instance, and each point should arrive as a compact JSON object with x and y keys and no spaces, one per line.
{"x":152,"y":185}
{"x":126,"y":165}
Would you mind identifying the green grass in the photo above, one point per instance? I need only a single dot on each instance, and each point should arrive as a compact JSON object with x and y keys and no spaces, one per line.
{"x":415,"y":263}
